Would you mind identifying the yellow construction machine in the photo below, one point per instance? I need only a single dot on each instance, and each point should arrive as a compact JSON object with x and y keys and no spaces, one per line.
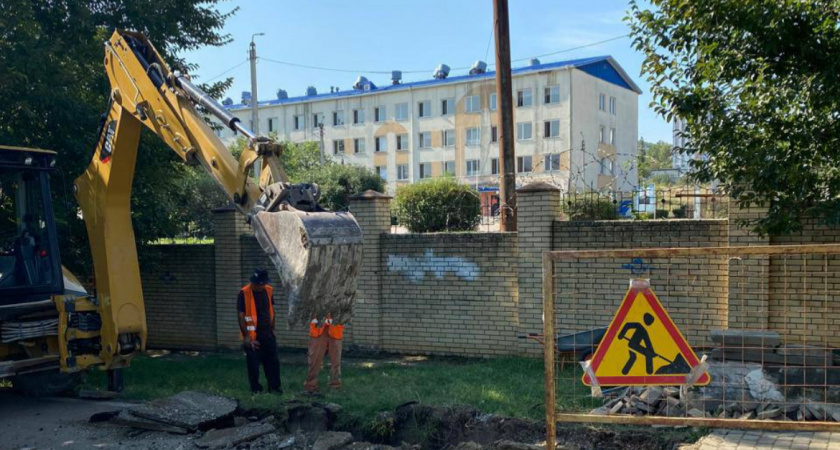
{"x":47,"y":319}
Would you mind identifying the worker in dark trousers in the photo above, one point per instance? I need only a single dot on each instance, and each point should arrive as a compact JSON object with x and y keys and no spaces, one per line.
{"x":256,"y":322}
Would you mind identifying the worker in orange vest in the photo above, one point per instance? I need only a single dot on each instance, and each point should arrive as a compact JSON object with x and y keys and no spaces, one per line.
{"x":256,"y":323}
{"x":324,"y":337}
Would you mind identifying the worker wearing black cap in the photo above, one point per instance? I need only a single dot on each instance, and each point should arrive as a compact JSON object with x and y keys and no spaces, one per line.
{"x":256,"y":322}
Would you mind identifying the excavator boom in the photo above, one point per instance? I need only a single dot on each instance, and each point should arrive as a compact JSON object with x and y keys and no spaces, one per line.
{"x":316,"y":252}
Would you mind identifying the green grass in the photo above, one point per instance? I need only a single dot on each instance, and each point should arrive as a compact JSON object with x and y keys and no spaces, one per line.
{"x":185,"y":240}
{"x":506,"y":386}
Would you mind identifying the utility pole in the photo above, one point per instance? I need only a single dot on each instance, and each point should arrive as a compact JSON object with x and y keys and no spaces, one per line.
{"x":255,"y":115}
{"x":321,"y":127}
{"x":504,"y":96}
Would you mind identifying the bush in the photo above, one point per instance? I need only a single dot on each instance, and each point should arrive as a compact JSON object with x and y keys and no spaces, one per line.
{"x":661,"y":213}
{"x":590,"y":207}
{"x":340,"y":181}
{"x":441,"y":204}
{"x":680,"y":212}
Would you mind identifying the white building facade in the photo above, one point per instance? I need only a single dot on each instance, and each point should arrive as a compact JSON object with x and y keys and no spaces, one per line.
{"x":576,"y":126}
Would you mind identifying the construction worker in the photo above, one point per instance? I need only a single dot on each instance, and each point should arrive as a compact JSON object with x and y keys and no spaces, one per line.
{"x":256,"y":322}
{"x":324,"y":337}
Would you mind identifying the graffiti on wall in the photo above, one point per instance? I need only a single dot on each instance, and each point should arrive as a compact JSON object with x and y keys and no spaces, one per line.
{"x":417,"y":268}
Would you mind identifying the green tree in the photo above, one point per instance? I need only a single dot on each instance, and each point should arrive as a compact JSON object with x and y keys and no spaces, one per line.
{"x":756,"y":83}
{"x":53,"y":89}
{"x":653,"y":156}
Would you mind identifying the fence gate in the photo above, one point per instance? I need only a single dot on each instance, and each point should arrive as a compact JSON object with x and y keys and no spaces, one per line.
{"x":740,"y":337}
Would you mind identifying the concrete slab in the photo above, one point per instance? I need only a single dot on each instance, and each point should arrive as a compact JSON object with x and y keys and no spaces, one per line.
{"x":230,"y":437}
{"x":188,"y":409}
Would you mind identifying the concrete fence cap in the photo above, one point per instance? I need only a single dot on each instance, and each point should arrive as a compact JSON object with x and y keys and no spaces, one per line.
{"x":369,"y":194}
{"x":538,"y":186}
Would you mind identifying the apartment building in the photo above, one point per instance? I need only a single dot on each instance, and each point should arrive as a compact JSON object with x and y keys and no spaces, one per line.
{"x":576,"y":125}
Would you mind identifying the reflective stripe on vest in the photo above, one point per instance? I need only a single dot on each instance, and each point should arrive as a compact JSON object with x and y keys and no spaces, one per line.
{"x":251,"y":309}
{"x":333,"y":331}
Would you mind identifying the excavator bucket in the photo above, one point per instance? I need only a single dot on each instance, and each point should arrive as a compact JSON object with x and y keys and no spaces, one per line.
{"x":317,"y":256}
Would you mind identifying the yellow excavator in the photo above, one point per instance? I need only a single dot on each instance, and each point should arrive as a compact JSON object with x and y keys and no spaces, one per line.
{"x":48,"y":321}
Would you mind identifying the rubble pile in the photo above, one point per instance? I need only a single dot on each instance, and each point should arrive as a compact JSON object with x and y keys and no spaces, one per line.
{"x":737,"y":391}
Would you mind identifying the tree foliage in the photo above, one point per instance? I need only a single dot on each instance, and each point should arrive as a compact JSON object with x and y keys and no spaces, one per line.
{"x":440,"y":204}
{"x":653,"y":156}
{"x":53,"y":89}
{"x":756,"y":83}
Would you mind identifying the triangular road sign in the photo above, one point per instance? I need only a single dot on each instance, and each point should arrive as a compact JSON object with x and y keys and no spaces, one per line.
{"x":642,"y":346}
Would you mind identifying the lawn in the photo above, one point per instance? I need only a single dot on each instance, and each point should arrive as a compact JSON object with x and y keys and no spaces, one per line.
{"x":506,"y":386}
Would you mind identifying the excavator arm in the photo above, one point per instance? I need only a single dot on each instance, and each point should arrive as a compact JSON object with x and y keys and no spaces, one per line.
{"x":316,"y":252}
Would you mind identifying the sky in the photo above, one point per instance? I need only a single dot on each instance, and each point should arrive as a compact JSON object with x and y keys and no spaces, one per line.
{"x":365,"y":35}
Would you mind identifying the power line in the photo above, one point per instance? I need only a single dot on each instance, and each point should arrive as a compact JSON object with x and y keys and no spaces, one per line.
{"x":388,"y":72}
{"x":226,"y":71}
{"x":576,"y":48}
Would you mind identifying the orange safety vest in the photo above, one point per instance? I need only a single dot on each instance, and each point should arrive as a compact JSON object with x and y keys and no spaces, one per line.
{"x":334,"y":331}
{"x":251,"y":309}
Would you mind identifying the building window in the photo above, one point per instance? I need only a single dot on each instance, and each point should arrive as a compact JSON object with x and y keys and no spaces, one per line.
{"x":494,"y":134}
{"x":381,"y":144}
{"x":612,"y":105}
{"x":424,"y":108}
{"x":552,"y":162}
{"x":317,"y":120}
{"x":472,"y":104}
{"x":401,"y":111}
{"x":472,"y":167}
{"x":383,"y":172}
{"x":447,"y":107}
{"x":425,"y":170}
{"x":524,"y":98}
{"x":271,"y":124}
{"x":612,"y":136}
{"x":358,"y":116}
{"x":338,"y":146}
{"x":448,"y":138}
{"x":524,"y":164}
{"x":449,"y":168}
{"x":493,"y":102}
{"x":402,"y":172}
{"x":524,"y":131}
{"x":602,"y":135}
{"x":338,"y":118}
{"x":402,"y":142}
{"x":379,"y":114}
{"x":552,"y":128}
{"x":359,"y":145}
{"x":473,"y":136}
{"x":607,"y":166}
{"x":424,"y":139}
{"x":298,"y":122}
{"x":552,"y":95}
{"x":494,"y":166}
{"x":602,"y":102}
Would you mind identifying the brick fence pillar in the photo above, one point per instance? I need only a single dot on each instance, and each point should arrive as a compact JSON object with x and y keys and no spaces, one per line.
{"x":538,"y":206}
{"x":229,"y":226}
{"x":749,"y":277}
{"x":373,"y":212}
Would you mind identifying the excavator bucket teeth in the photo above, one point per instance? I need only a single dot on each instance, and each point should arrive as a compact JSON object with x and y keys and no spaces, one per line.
{"x":317,"y":256}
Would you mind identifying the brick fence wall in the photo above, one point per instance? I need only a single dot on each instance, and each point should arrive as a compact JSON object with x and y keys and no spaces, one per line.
{"x":449,"y":293}
{"x":180,"y":297}
{"x":473,"y":294}
{"x":693,"y":291}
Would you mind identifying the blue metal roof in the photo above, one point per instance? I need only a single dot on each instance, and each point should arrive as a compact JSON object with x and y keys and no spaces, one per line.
{"x":603,"y":67}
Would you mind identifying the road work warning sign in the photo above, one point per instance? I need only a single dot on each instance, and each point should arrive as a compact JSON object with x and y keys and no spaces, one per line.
{"x":642,"y":346}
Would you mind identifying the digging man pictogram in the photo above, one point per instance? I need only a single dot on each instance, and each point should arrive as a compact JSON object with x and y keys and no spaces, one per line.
{"x":639,"y":343}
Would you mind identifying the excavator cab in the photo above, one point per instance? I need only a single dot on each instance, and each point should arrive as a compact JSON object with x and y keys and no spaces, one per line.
{"x":30,"y":268}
